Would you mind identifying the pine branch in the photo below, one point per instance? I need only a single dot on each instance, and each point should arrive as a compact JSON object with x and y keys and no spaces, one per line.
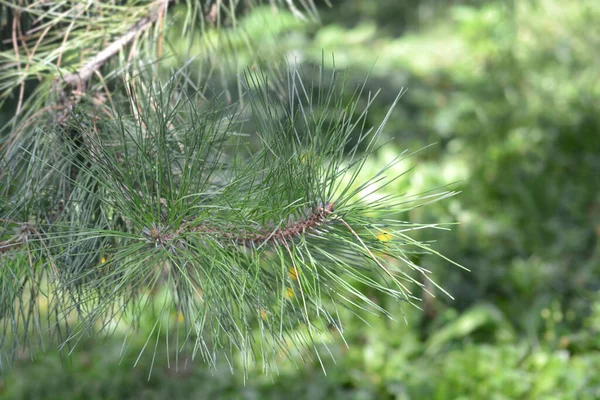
{"x":18,"y":240}
{"x":92,"y":65}
{"x":46,"y":44}
{"x":169,"y":192}
{"x":307,"y":223}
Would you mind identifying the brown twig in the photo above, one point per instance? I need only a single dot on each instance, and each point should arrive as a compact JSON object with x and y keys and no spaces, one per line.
{"x":9,"y":244}
{"x":18,"y":239}
{"x":89,"y":68}
{"x":161,"y":18}
{"x":315,"y":218}
{"x":16,"y":49}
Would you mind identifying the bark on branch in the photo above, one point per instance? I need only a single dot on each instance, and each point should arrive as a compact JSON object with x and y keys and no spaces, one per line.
{"x":92,"y":65}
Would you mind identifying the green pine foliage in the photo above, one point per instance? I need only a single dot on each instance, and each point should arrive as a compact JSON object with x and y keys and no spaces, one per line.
{"x":242,"y":227}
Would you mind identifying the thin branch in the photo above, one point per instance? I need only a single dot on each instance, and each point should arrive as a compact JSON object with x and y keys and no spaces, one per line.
{"x":16,"y":48}
{"x":315,"y":218}
{"x":81,"y":76}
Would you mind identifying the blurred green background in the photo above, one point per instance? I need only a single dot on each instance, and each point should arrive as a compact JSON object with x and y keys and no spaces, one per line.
{"x":509,"y":93}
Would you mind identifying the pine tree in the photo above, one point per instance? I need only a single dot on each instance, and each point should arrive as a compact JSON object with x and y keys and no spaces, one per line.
{"x":237,"y":208}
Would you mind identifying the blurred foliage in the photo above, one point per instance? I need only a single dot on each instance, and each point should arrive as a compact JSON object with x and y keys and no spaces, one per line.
{"x":509,"y":92}
{"x":475,"y":355}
